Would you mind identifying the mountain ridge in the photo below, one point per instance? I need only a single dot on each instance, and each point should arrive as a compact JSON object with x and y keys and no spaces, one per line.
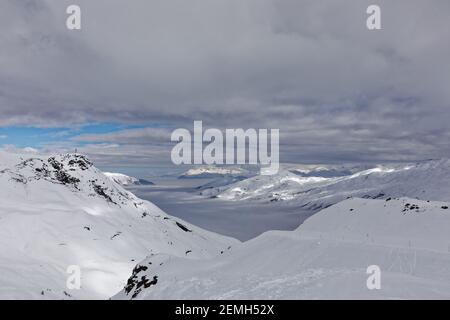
{"x":60,"y":210}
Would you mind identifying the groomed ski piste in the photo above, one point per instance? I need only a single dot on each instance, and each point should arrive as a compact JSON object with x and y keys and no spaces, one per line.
{"x":325,"y":258}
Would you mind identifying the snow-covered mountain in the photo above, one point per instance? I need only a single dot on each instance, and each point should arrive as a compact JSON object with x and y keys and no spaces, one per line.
{"x":322,"y":172}
{"x":122,"y":179}
{"x":125,"y":180}
{"x":215,"y":186}
{"x":429,"y":180}
{"x":325,"y":170}
{"x":326,"y":257}
{"x":58,"y":211}
{"x":213,"y":172}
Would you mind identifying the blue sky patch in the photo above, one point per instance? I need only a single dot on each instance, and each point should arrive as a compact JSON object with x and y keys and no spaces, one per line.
{"x":37,"y":137}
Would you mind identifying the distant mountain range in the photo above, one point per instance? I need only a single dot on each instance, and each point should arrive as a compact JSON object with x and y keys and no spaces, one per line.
{"x":428,"y":180}
{"x":125,"y":180}
{"x":213,"y":172}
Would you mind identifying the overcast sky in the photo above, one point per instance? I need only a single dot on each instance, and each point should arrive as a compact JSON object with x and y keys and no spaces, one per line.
{"x":138,"y":69}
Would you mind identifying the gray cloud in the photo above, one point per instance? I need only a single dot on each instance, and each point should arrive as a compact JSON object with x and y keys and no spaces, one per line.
{"x":311,"y":68}
{"x":141,"y":135}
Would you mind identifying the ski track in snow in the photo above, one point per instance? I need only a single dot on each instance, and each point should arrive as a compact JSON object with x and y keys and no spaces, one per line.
{"x":325,"y":258}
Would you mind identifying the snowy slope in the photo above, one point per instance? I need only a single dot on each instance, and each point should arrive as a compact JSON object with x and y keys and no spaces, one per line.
{"x":211,"y":188}
{"x":326,"y":257}
{"x":60,"y":210}
{"x":281,"y":186}
{"x":428,"y":180}
{"x":325,"y":170}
